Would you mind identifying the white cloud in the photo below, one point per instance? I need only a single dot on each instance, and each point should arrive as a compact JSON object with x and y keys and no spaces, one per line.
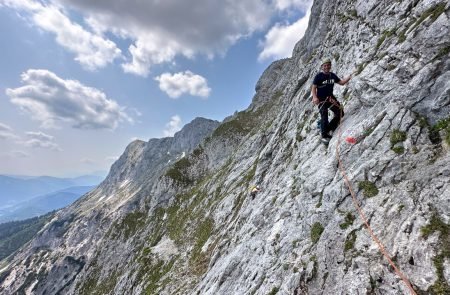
{"x":158,"y":31}
{"x":111,"y":158}
{"x":39,"y":136}
{"x":4,"y":127}
{"x":87,"y":161}
{"x":285,"y":4}
{"x":152,"y":49}
{"x":173,"y":126}
{"x":281,"y":39}
{"x":92,"y":51}
{"x":52,"y":100}
{"x":7,"y":132}
{"x":41,"y":140}
{"x":19,"y":154}
{"x":162,"y":30}
{"x":184,"y":82}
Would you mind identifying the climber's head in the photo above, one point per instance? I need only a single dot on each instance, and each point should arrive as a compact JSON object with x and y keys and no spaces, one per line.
{"x":326,"y":65}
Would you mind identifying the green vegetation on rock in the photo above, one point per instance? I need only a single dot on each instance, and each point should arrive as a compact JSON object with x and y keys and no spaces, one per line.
{"x":369,"y":189}
{"x":444,"y":125}
{"x":437,"y":225}
{"x":15,"y":234}
{"x":433,"y":12}
{"x":316,"y":232}
{"x":128,"y":226}
{"x":398,"y":149}
{"x":397,"y":136}
{"x":178,"y":172}
{"x":349,"y":218}
{"x":350,"y":241}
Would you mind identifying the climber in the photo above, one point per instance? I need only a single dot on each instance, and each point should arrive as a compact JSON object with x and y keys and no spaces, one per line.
{"x":254,"y":191}
{"x":322,"y":95}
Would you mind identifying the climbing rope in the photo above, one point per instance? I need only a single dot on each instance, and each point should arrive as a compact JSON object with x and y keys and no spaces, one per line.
{"x":361,"y":213}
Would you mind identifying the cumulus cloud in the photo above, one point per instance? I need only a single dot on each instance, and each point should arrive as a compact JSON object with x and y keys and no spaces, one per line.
{"x":173,"y":126}
{"x":156,"y":32}
{"x":41,"y":140}
{"x":91,"y":50}
{"x":52,"y":100}
{"x":161,"y":30}
{"x":184,"y":82}
{"x":7,"y":132}
{"x":281,"y":39}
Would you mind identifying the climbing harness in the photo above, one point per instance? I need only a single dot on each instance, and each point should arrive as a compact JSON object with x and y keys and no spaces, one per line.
{"x":361,"y":213}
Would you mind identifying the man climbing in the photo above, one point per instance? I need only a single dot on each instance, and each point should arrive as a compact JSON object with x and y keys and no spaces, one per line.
{"x":322,"y":95}
{"x":254,"y":191}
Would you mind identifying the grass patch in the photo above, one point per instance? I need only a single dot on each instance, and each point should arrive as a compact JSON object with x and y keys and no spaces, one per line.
{"x":433,"y":13}
{"x":198,"y":151}
{"x":443,"y":124}
{"x":423,"y":122}
{"x":316,"y":232}
{"x":274,"y":291}
{"x":319,"y":204}
{"x":398,"y":149}
{"x":130,"y":224}
{"x":442,"y":52}
{"x":346,"y":94}
{"x":386,"y":34}
{"x":369,"y":189}
{"x":349,"y":218}
{"x":178,"y":172}
{"x":152,"y":272}
{"x":437,"y":225}
{"x":199,"y":262}
{"x":350,"y":241}
{"x":397,"y":136}
{"x":360,"y":68}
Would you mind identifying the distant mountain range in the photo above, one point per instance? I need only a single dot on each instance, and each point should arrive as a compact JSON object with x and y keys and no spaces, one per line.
{"x":24,"y":196}
{"x":42,"y":204}
{"x":16,"y":189}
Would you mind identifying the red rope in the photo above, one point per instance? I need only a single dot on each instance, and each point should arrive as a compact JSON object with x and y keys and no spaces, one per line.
{"x":361,"y":213}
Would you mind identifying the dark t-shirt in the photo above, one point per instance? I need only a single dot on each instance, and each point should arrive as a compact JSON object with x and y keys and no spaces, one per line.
{"x":325,"y":84}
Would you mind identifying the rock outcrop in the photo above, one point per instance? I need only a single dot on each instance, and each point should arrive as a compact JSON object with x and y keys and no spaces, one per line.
{"x":164,"y":222}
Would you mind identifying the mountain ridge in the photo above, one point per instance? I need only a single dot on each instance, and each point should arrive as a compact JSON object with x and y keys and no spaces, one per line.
{"x":184,"y":223}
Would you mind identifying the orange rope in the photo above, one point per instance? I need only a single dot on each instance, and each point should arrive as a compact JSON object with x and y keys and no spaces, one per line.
{"x":361,"y":213}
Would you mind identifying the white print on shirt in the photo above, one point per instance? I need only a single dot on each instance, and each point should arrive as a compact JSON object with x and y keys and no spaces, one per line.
{"x":326,"y":82}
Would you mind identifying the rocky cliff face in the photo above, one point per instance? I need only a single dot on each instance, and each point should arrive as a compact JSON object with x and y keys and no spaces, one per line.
{"x":166,"y":224}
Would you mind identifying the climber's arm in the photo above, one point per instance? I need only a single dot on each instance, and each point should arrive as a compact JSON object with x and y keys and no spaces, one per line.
{"x":315,"y":99}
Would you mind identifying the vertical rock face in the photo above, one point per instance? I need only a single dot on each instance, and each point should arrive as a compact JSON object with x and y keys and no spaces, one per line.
{"x":168,"y":222}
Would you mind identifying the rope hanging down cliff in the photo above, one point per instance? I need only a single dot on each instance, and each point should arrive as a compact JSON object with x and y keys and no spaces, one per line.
{"x":362,"y":215}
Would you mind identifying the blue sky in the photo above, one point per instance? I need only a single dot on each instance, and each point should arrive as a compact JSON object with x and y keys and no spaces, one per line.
{"x":81,"y":79}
